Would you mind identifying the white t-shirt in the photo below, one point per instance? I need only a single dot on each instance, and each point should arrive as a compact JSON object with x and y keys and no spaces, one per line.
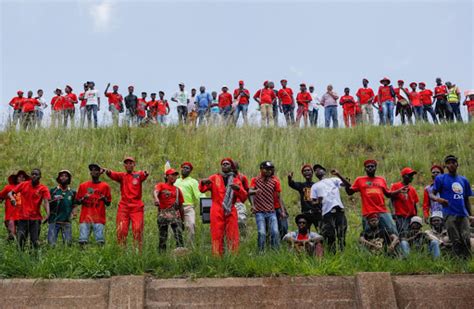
{"x":314,"y":104}
{"x":191,"y":104}
{"x":328,"y":189}
{"x":92,"y":97}
{"x":181,"y":97}
{"x":42,"y":105}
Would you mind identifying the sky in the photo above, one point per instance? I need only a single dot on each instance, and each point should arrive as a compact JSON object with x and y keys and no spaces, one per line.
{"x":154,"y":45}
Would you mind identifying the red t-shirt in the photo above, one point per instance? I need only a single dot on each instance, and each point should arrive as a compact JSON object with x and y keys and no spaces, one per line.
{"x":441,"y":91}
{"x":347,"y":102}
{"x":414,"y":98}
{"x":167,"y":195}
{"x":57,"y":103}
{"x":470,"y":105}
{"x":16,"y":103}
{"x":130,"y":188}
{"x":114,"y":99}
{"x":83,"y":101}
{"x":11,"y":212}
{"x":31,"y":198}
{"x":28,"y":105}
{"x":141,"y":108}
{"x":385,"y":94}
{"x":404,"y":203}
{"x":372,"y":193}
{"x":225,"y":99}
{"x":242,"y":99}
{"x":266,"y":95}
{"x":93,"y":207}
{"x":153,"y":108}
{"x":364,"y":94}
{"x":69,"y":98}
{"x":161,"y":106}
{"x":304,"y":98}
{"x":302,"y":236}
{"x":276,"y":199}
{"x":425,"y":97}
{"x":285,"y":95}
{"x":400,"y":94}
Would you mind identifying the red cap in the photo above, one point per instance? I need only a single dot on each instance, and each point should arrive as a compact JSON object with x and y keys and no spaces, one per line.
{"x":265,"y":82}
{"x":303,"y":84}
{"x":385,"y":79}
{"x":370,"y":161}
{"x":241,"y":82}
{"x":283,"y":80}
{"x":171,"y":171}
{"x":400,"y":81}
{"x":422,"y":83}
{"x":407,"y":171}
{"x":230,"y":161}
{"x":435,"y":166}
{"x":305,"y":166}
{"x":128,"y":159}
{"x":372,"y":215}
{"x":19,"y":91}
{"x":115,"y":86}
{"x":187,"y":164}
{"x":413,"y":83}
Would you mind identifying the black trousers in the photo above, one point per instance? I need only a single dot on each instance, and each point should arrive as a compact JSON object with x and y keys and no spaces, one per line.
{"x":28,"y":228}
{"x":334,"y":225}
{"x":163,"y":230}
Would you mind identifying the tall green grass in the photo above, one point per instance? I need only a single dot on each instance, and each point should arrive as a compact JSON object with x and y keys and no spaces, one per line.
{"x":345,"y":149}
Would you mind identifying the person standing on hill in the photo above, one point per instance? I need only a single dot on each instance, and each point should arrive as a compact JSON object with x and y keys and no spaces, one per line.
{"x":426,"y":99}
{"x":15,"y":103}
{"x":203,"y":103}
{"x":192,"y":110}
{"x":286,"y":102}
{"x":28,"y":114}
{"x":365,"y":97}
{"x":131,"y":207}
{"x":454,"y":191}
{"x":454,"y":100}
{"x":314,"y":107}
{"x":57,"y":107}
{"x":265,"y":98}
{"x":225,"y":188}
{"x":39,"y":109}
{"x":131,"y":104}
{"x":94,"y":196}
{"x":275,"y":107}
{"x":442,"y":108}
{"x":242,"y":96}
{"x":92,"y":104}
{"x":404,"y":204}
{"x":181,"y":97}
{"x":312,"y":213}
{"x":386,"y":95}
{"x":303,"y":99}
{"x":349,"y":107}
{"x":469,"y":103}
{"x":415,"y":102}
{"x":82,"y":106}
{"x":430,"y":205}
{"x":12,"y":211}
{"x":69,"y":108}
{"x":225,"y":105}
{"x":329,"y":101}
{"x":115,"y":103}
{"x":163,"y":108}
{"x":141,"y":108}
{"x":404,"y":107}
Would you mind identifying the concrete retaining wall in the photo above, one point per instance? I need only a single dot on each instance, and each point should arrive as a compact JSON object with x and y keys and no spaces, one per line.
{"x":365,"y":290}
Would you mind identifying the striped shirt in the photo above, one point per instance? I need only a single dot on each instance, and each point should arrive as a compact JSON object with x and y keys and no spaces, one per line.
{"x":264,"y":198}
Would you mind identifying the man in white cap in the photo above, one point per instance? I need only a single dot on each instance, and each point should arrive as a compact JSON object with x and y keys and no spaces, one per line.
{"x":182,"y":98}
{"x":413,"y":237}
{"x":437,"y":236}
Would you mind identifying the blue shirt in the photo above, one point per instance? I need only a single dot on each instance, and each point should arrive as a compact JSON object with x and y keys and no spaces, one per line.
{"x":203,"y":100}
{"x":454,"y":189}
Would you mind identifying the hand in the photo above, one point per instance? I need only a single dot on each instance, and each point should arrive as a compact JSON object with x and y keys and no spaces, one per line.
{"x":58,"y":197}
{"x":235,"y":187}
{"x":404,"y":189}
{"x":13,"y":202}
{"x":391,"y":248}
{"x":146,"y":173}
{"x":108,"y":85}
{"x":334,"y":172}
{"x":442,"y":201}
{"x":290,"y":175}
{"x":283,"y":215}
{"x":103,"y":170}
{"x":206,"y":181}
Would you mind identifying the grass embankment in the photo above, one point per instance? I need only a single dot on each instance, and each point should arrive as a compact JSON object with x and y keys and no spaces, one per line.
{"x":345,"y":149}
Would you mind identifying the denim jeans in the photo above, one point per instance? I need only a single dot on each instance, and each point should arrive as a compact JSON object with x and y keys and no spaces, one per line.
{"x":282,"y":223}
{"x":225,"y":113}
{"x":387,"y":108}
{"x":313,"y":118}
{"x":289,"y":113}
{"x":263,"y":219}
{"x":161,"y":119}
{"x":330,"y":112}
{"x":91,"y":111}
{"x":456,"y":112}
{"x":405,"y":246}
{"x":85,"y":230}
{"x":428,"y":109}
{"x":418,"y":111}
{"x":433,"y":248}
{"x":55,"y":228}
{"x":182,"y":114}
{"x":241,"y":108}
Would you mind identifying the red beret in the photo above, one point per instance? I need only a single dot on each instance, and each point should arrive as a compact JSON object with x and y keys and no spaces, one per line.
{"x":230,"y":161}
{"x":437,"y":167}
{"x":370,"y":161}
{"x":305,"y":166}
{"x":372,"y":215}
{"x":187,"y":164}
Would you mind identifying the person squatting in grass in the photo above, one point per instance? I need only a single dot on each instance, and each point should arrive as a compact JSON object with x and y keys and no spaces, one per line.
{"x":33,"y":194}
{"x":131,"y":207}
{"x":378,"y":239}
{"x":93,"y":196}
{"x":12,"y":211}
{"x":326,"y":196}
{"x":404,"y":203}
{"x":304,"y":240}
{"x":169,"y":201}
{"x":312,"y":213}
{"x":225,"y":188}
{"x":61,"y":209}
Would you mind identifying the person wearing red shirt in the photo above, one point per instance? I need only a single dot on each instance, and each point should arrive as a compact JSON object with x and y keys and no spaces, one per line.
{"x":115,"y":103}
{"x":33,"y":194}
{"x":286,"y":102}
{"x":162,"y":108}
{"x":469,"y":102}
{"x":403,"y":103}
{"x":11,"y":211}
{"x":426,"y":96}
{"x":442,"y":107}
{"x":225,"y":104}
{"x":242,"y":96}
{"x":15,"y":103}
{"x":303,"y":99}
{"x":386,"y":95}
{"x":152,"y":107}
{"x":415,"y":102}
{"x":82,"y":106}
{"x":94,"y":195}
{"x":169,"y":200}
{"x":69,"y":108}
{"x":141,"y":108}
{"x":28,"y":111}
{"x":349,"y":107}
{"x":280,"y":209}
{"x":365,"y":98}
{"x":130,"y":207}
{"x":372,"y":189}
{"x":57,"y":106}
{"x":225,"y":189}
{"x":265,"y":98}
{"x":404,"y":204}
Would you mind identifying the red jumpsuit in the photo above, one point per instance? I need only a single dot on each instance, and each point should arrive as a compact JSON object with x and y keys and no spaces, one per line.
{"x":11,"y":212}
{"x":220,"y":223}
{"x":130,"y":207}
{"x":349,"y":108}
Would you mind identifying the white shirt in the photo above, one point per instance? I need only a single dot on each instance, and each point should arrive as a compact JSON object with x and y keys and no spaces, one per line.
{"x":181,"y":97}
{"x":191,"y":104}
{"x":42,"y":105}
{"x":92,"y":97}
{"x":328,"y":189}
{"x":315,"y":102}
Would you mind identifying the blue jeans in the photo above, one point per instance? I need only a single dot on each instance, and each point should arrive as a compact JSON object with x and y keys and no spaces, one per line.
{"x":385,"y":221}
{"x":53,"y":231}
{"x":418,"y":112}
{"x":387,"y":109}
{"x":282,"y":223}
{"x":263,"y":219}
{"x":428,"y":109}
{"x":330,"y":112}
{"x":433,"y":248}
{"x":161,"y":119}
{"x":91,"y":111}
{"x":85,"y":230}
{"x":241,"y":108}
{"x":405,"y":246}
{"x":313,"y":118}
{"x":456,"y":112}
{"x":225,"y":112}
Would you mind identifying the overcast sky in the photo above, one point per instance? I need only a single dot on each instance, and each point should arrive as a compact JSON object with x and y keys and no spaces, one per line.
{"x":156,"y":44}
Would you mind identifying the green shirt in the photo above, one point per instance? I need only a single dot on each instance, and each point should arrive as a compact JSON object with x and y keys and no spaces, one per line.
{"x":60,"y":210}
{"x":190,"y":189}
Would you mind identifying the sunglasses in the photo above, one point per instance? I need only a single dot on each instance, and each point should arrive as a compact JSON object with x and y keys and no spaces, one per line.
{"x":301,"y":222}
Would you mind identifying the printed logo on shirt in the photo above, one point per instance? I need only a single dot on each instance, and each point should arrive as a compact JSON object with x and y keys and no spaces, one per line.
{"x":369,"y":183}
{"x":457,"y":188}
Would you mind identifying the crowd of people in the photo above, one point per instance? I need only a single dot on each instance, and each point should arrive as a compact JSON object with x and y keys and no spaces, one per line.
{"x":321,"y":223}
{"x":203,"y":108}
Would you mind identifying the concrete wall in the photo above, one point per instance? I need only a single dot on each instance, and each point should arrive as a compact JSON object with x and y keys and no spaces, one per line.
{"x":365,"y":290}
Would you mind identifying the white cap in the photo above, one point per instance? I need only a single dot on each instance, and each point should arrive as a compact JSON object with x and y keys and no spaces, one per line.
{"x":416,"y":219}
{"x":437,"y":214}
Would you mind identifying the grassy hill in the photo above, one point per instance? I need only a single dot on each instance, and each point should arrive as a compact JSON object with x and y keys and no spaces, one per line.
{"x":345,"y":149}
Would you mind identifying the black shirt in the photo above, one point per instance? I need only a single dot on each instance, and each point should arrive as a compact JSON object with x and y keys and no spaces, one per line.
{"x":304,"y":189}
{"x":379,"y":234}
{"x":131,"y":103}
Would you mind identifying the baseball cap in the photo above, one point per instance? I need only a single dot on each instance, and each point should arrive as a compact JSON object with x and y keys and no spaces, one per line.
{"x":416,"y":219}
{"x":316,"y":166}
{"x":267,"y":165}
{"x":94,"y":165}
{"x":128,"y":159}
{"x":450,"y":158}
{"x":407,"y":171}
{"x":171,"y":171}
